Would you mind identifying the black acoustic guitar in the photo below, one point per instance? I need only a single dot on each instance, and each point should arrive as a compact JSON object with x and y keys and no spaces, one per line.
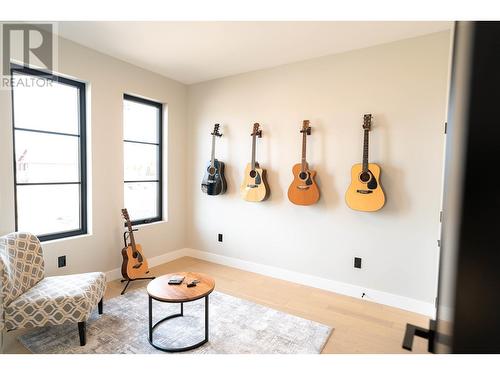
{"x":214,"y":182}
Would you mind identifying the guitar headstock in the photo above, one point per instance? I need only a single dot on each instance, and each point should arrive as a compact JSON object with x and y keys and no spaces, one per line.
{"x":367,"y":122}
{"x":256,"y":131}
{"x":216,"y":131}
{"x":305,"y":127}
{"x":125,"y":214}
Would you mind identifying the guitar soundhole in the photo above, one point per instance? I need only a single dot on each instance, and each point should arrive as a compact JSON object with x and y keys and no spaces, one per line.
{"x":365,"y":177}
{"x":211,"y":171}
{"x":253,"y":173}
{"x":303,"y":175}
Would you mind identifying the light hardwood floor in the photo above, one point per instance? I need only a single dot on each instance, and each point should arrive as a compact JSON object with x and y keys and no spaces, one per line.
{"x":360,"y":326}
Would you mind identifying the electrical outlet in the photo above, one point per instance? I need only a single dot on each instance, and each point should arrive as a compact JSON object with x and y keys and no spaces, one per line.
{"x":357,"y":262}
{"x":220,"y":237}
{"x":61,"y":261}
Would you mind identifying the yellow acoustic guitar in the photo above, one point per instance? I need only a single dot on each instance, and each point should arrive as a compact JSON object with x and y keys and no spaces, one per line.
{"x":134,"y":263}
{"x":365,"y":192}
{"x":303,"y":189}
{"x":254,"y":187}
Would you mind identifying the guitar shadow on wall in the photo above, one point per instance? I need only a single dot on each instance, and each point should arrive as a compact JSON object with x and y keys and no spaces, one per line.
{"x":275,"y":191}
{"x":329,"y":197}
{"x":232,"y":172}
{"x":392,"y":179}
{"x":232,"y":186}
{"x":397,"y":199}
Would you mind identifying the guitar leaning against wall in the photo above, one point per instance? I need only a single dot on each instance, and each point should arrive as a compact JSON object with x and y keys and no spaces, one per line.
{"x":214,"y":181}
{"x":254,"y":187}
{"x":365,"y":192}
{"x":303,"y":190}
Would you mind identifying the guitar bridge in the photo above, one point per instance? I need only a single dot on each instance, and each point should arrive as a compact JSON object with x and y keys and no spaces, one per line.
{"x":252,"y":186}
{"x":138,"y":265}
{"x":303,"y":187}
{"x":364,"y":191}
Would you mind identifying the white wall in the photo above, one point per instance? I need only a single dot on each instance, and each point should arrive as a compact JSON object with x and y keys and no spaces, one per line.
{"x":108,"y":79}
{"x":403,"y":85}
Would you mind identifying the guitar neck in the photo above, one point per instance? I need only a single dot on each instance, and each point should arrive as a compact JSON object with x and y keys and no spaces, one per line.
{"x":128,"y":223}
{"x":253,"y":150}
{"x":303,"y":160}
{"x":135,"y":252}
{"x":131,"y":236}
{"x":212,"y":158}
{"x":365,"y":151}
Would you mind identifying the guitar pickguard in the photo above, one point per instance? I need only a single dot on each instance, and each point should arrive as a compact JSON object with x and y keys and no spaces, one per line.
{"x":309,"y":179}
{"x":258,"y":179}
{"x":372,"y":184}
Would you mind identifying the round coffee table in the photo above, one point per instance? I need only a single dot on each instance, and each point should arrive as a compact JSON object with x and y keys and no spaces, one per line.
{"x":160,"y":290}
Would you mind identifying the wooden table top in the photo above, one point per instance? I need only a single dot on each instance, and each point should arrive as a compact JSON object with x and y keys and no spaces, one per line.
{"x":160,"y":289}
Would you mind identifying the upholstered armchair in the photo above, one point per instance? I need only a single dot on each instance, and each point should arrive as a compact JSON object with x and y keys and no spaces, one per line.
{"x":29,"y":299}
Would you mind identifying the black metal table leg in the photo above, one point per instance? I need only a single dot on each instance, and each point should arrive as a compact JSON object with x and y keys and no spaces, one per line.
{"x":151,"y":328}
{"x":206,"y":318}
{"x":150,"y":319}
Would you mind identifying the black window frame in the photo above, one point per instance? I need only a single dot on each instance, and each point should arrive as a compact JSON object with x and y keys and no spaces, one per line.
{"x":159,"y":181}
{"x":82,"y":134}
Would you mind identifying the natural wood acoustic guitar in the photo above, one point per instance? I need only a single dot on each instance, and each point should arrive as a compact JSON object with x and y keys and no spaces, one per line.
{"x":365,"y":192}
{"x":134,"y":263}
{"x":254,"y":187}
{"x":303,"y":190}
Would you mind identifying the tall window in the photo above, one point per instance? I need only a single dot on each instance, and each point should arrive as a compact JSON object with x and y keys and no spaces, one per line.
{"x":49,"y":154}
{"x":142,"y":138}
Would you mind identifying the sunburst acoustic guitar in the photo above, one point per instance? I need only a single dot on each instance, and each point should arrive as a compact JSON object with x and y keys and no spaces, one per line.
{"x":365,"y":192}
{"x":303,"y":190}
{"x":254,"y":187}
{"x":134,"y":263}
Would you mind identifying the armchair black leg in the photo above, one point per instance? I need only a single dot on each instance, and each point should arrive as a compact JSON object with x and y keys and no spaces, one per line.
{"x":82,"y":331}
{"x":99,"y":307}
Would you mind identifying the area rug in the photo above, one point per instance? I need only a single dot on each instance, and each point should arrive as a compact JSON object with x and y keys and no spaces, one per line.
{"x":237,"y":326}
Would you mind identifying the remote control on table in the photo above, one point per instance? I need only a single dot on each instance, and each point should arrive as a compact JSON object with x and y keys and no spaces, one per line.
{"x":193,"y":283}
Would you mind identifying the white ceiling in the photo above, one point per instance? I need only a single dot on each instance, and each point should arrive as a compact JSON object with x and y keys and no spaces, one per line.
{"x":192,"y":52}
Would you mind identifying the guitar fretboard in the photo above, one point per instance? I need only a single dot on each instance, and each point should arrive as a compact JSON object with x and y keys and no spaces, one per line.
{"x":254,"y":136}
{"x":212,"y":158}
{"x":365,"y":151}
{"x":304,"y":140}
{"x":132,"y":241}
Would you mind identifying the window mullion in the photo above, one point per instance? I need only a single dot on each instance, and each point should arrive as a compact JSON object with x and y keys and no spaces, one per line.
{"x":135,"y":192}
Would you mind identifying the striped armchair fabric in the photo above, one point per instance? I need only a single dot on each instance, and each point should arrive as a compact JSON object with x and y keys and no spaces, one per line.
{"x":29,"y":299}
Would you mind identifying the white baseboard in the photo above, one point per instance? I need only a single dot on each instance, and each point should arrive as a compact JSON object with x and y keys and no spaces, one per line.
{"x":116,"y":273}
{"x":351,"y":290}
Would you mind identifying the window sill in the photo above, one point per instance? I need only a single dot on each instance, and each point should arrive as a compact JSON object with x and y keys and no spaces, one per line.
{"x":150,"y":224}
{"x":77,"y":237}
